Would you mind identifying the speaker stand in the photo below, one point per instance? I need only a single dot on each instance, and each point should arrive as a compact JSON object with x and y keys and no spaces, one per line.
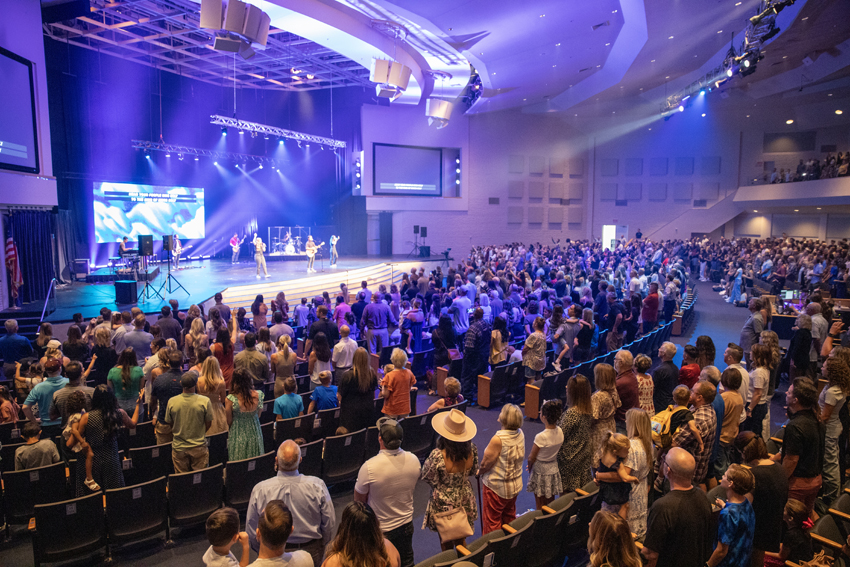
{"x":148,"y":291}
{"x":168,"y":281}
{"x":415,"y":252}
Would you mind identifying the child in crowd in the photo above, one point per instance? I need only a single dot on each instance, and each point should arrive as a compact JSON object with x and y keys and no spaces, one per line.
{"x":453,"y":395}
{"x":689,"y":373}
{"x":544,"y":478}
{"x":324,"y":396}
{"x":273,"y":529}
{"x":796,"y":541}
{"x":223,"y":533}
{"x":36,"y":452}
{"x":682,"y":416}
{"x":341,"y":431}
{"x":613,"y":476}
{"x":76,"y":407}
{"x":290,"y":404}
{"x":736,"y":527}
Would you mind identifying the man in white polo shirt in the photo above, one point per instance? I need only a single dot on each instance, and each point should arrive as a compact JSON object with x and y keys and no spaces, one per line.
{"x":386,"y":482}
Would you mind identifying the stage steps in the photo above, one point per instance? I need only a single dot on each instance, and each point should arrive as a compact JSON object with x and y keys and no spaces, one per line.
{"x":314,"y":284}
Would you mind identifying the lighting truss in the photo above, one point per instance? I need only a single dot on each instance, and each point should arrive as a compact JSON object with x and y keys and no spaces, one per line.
{"x":187,"y":151}
{"x":237,"y":124}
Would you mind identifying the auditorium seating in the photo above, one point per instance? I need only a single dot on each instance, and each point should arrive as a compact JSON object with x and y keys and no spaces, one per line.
{"x":193,"y":496}
{"x":241,"y":476}
{"x":68,"y":529}
{"x":137,"y":512}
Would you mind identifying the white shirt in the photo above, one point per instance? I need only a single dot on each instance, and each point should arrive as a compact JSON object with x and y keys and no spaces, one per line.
{"x":635,"y":286}
{"x":390,"y":478}
{"x":759,"y":378}
{"x":213,"y":559}
{"x":297,"y":558}
{"x":343,"y":355}
{"x":549,"y":442}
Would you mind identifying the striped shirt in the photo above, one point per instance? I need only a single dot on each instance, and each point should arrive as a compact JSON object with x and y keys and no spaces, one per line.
{"x":505,"y":478}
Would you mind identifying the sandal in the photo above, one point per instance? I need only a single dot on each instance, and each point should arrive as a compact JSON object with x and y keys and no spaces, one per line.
{"x":92,"y":485}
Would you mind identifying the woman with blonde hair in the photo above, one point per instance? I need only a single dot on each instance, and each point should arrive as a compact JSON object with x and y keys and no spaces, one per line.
{"x":501,"y":470}
{"x":604,"y":404}
{"x":106,"y":359}
{"x":639,"y":462}
{"x":283,"y":364}
{"x":54,"y":352}
{"x":195,"y":339}
{"x":831,"y":400}
{"x":211,"y":384}
{"x":610,"y":542}
{"x":646,"y":387}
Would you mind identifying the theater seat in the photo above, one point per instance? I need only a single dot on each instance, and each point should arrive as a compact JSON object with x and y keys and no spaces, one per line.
{"x":311,"y":458}
{"x":241,"y":476}
{"x":343,"y":457}
{"x":22,"y":490}
{"x":68,"y":529}
{"x":136,"y":513}
{"x":193,"y":496}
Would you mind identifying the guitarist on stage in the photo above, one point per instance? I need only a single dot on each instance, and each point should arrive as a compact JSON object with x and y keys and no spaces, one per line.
{"x":311,"y":248}
{"x":259,"y":258}
{"x":178,"y":249}
{"x":235,"y":244}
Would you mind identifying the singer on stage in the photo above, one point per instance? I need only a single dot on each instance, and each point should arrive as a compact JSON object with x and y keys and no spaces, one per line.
{"x":178,"y":249}
{"x":334,"y":254}
{"x":259,"y":248}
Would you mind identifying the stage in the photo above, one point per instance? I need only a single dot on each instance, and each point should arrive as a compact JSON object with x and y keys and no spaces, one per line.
{"x":202,"y":279}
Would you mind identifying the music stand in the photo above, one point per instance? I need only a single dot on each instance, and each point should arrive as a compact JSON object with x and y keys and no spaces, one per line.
{"x":169,"y":279}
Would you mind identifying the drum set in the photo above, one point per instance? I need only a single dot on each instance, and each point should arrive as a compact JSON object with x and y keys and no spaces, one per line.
{"x":288,"y":240}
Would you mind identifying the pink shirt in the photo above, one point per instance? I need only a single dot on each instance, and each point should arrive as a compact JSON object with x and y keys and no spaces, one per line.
{"x":339,"y":313}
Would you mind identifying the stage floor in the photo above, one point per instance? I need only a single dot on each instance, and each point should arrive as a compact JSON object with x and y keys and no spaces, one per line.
{"x":203,"y":279}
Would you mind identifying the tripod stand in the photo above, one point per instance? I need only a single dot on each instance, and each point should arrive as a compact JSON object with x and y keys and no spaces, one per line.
{"x":168,"y":281}
{"x":148,"y":291}
{"x":415,"y":252}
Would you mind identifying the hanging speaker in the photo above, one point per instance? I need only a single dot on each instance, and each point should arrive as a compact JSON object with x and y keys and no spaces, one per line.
{"x":168,"y":242}
{"x":145,"y":245}
{"x":212,"y":14}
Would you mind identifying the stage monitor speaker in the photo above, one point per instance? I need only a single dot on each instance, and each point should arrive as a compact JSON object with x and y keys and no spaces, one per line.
{"x":168,"y":242}
{"x":145,"y":245}
{"x":125,"y":292}
{"x":423,"y":231}
{"x":415,"y":229}
{"x":80,"y":268}
{"x":424,"y":251}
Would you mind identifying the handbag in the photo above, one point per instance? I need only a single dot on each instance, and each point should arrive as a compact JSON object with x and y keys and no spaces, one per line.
{"x":452,"y":525}
{"x":454,"y":354}
{"x":819,"y":560}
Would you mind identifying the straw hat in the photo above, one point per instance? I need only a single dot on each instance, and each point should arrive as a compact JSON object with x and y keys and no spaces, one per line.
{"x":454,"y":426}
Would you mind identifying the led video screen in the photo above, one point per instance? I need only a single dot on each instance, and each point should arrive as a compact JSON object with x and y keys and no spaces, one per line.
{"x":18,"y":140}
{"x":407,"y":170}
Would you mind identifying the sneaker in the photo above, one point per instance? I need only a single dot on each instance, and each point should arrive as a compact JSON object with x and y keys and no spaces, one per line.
{"x":258,"y":276}
{"x":92,"y":485}
{"x":557,"y":366}
{"x":268,"y":276}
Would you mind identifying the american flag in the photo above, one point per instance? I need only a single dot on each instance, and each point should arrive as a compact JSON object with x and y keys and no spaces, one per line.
{"x":13,"y":265}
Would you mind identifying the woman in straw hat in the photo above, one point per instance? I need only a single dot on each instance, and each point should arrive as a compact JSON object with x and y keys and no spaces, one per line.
{"x":448,"y":469}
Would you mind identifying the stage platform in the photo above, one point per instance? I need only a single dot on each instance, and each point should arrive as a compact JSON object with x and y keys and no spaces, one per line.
{"x":238,"y":283}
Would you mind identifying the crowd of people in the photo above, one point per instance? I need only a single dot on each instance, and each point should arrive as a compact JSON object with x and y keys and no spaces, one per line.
{"x":653,"y":437}
{"x":813,"y":168}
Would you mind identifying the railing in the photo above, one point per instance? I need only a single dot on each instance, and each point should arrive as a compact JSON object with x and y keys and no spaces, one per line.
{"x":50,"y":291}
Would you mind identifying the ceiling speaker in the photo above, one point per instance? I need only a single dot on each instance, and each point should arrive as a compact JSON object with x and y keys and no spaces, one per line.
{"x":256,"y":25}
{"x":438,"y":110}
{"x":212,"y":14}
{"x":228,"y":44}
{"x":392,"y":77}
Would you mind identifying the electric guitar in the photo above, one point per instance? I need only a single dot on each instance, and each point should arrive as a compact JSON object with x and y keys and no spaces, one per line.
{"x":236,"y":246}
{"x":312,"y":253}
{"x":178,"y":251}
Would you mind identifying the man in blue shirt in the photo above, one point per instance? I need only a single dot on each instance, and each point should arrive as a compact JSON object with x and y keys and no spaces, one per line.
{"x":42,"y":394}
{"x":13,"y":347}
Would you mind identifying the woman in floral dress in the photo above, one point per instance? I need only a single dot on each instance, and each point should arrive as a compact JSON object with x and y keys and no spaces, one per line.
{"x":448,"y":468}
{"x":244,"y":406}
{"x":604,"y":403}
{"x":576,"y":451}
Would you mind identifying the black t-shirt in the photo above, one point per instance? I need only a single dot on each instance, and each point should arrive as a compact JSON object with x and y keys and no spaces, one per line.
{"x":616,"y":308}
{"x":769,"y":497}
{"x":665,"y":378}
{"x":679,"y":529}
{"x":799,"y":542}
{"x":679,"y":419}
{"x":804,"y":437}
{"x":585,"y":337}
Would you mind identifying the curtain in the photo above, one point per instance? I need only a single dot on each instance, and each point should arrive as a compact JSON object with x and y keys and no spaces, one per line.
{"x":67,"y":244}
{"x":33,"y":234}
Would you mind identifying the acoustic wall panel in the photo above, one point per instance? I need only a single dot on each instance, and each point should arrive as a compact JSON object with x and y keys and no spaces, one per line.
{"x":556,"y":190}
{"x":535,"y":215}
{"x":632,"y":192}
{"x":516,"y":164}
{"x":657,"y":191}
{"x":516,"y":189}
{"x":708,"y":191}
{"x":535,"y":189}
{"x":556,"y":215}
{"x":536,"y":165}
{"x":684,"y":166}
{"x":710,"y":165}
{"x":556,"y":167}
{"x":576,"y":191}
{"x":576,"y":167}
{"x":607,"y":191}
{"x":515,"y":215}
{"x":609,"y":167}
{"x":683,"y":191}
{"x":658,"y":166}
{"x":634,"y":167}
{"x":575,"y":215}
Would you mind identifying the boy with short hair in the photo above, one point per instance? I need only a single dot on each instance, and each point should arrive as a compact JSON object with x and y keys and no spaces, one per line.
{"x":290,"y":404}
{"x":37,"y":452}
{"x":324,"y":396}
{"x":273,"y":529}
{"x":736,"y":527}
{"x":223,"y":533}
{"x":684,"y":417}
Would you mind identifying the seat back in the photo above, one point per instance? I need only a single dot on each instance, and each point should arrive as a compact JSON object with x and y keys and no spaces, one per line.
{"x":386,"y":352}
{"x":416,"y":337}
{"x":241,"y":477}
{"x":440,"y":558}
{"x":268,"y":407}
{"x":826,"y":536}
{"x":217,"y":445}
{"x":311,"y":458}
{"x":267,"y":430}
{"x":422,"y":361}
{"x":547,"y":533}
{"x":142,"y":436}
{"x":193,"y":496}
{"x":840,"y":511}
{"x":373,"y":445}
{"x":7,"y":456}
{"x":24,"y":489}
{"x":68,"y":529}
{"x":343,"y":457}
{"x":137,"y":512}
{"x":326,"y":423}
{"x":455,"y":368}
{"x":147,"y":463}
{"x":294,"y":428}
{"x":418,"y":435}
{"x":499,"y":384}
{"x":513,"y":548}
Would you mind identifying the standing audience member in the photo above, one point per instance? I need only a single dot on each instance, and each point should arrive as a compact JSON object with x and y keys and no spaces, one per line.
{"x":501,"y":469}
{"x":41,"y":395}
{"x":544,"y":477}
{"x":126,"y":379}
{"x":283,"y":364}
{"x":534,"y":351}
{"x":211,"y":384}
{"x":35,"y":451}
{"x":319,"y":360}
{"x":343,"y":352}
{"x":166,"y":386}
{"x":702,"y":396}
{"x":386,"y":483}
{"x":733,"y":406}
{"x":452,"y":397}
{"x":307,"y":497}
{"x":646,"y":387}
{"x":737,"y":520}
{"x":689,"y":373}
{"x":576,"y":452}
{"x":831,"y":401}
{"x":243,"y":408}
{"x":360,"y":541}
{"x":627,"y":385}
{"x":13,"y":347}
{"x":74,"y":374}
{"x":222,"y":350}
{"x":189,"y":415}
{"x":396,"y":387}
{"x":252,"y":361}
{"x":752,"y":329}
{"x":357,"y":393}
{"x":476,"y":353}
{"x":756,"y":409}
{"x":604,"y":402}
{"x":639,"y":462}
{"x":324,"y":397}
{"x":665,"y":377}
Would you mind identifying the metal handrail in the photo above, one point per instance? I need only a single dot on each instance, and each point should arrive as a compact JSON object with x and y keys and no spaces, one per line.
{"x":52,"y":288}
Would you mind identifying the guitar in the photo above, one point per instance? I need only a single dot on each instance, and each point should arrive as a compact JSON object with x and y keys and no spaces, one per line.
{"x":236,"y":246}
{"x":178,"y":251}
{"x":312,"y":253}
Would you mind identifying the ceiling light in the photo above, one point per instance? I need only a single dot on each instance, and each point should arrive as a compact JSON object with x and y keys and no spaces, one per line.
{"x":671,"y":37}
{"x":554,"y":65}
{"x":830,"y":94}
{"x":653,"y":61}
{"x":598,"y":66}
{"x":804,"y":19}
{"x":556,"y":45}
{"x":748,"y":115}
{"x":614,"y":11}
{"x":703,"y":114}
{"x":542,"y":15}
{"x":796,"y":210}
{"x":785,"y":57}
{"x":719,"y":31}
{"x":737,"y":3}
{"x":789,"y":121}
{"x":667,"y":77}
{"x":607,"y":44}
{"x":755,"y":211}
{"x":839,"y":112}
{"x":818,"y":208}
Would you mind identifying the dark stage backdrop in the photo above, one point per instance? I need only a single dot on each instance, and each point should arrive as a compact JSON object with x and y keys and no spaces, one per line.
{"x":98,"y":104}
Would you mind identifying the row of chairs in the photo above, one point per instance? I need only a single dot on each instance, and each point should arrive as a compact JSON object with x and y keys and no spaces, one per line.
{"x":535,"y":539}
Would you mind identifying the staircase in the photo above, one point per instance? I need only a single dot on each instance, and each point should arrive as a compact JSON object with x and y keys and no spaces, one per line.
{"x":701,"y":220}
{"x":28,"y":321}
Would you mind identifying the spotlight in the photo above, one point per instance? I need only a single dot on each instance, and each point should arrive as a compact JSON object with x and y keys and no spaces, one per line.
{"x":457,"y":170}
{"x":167,"y":155}
{"x":261,"y":166}
{"x":729,"y":72}
{"x":357,"y":175}
{"x":237,"y":166}
{"x":357,"y":164}
{"x":789,"y":121}
{"x":703,"y":115}
{"x":224,"y":130}
{"x":197,"y":158}
{"x":681,"y":108}
{"x":241,"y":132}
{"x":280,"y":142}
{"x":323,"y":148}
{"x":215,"y":163}
{"x":147,"y":156}
{"x":266,"y":136}
{"x":308,"y":145}
{"x":456,"y":161}
{"x":702,"y":92}
{"x":746,"y":63}
{"x":457,"y":181}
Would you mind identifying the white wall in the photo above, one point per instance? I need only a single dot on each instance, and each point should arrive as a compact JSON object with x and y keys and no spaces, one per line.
{"x":797,"y":225}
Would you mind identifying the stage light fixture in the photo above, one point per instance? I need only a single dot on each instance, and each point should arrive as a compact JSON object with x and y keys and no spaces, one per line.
{"x":299,"y":143}
{"x":265,"y":136}
{"x":215,"y":163}
{"x":703,"y":114}
{"x":702,"y":92}
{"x":457,"y":160}
{"x":280,"y":133}
{"x":280,"y":142}
{"x":457,"y":170}
{"x":180,"y":157}
{"x":261,"y":166}
{"x":167,"y":155}
{"x":746,"y":63}
{"x":224,"y":130}
{"x":308,"y":144}
{"x":147,"y":156}
{"x":197,"y":158}
{"x":357,"y":175}
{"x":729,"y":72}
{"x":681,"y":108}
{"x":241,"y":132}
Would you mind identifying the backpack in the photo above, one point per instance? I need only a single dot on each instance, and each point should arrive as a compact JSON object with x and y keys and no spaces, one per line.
{"x":661,"y":423}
